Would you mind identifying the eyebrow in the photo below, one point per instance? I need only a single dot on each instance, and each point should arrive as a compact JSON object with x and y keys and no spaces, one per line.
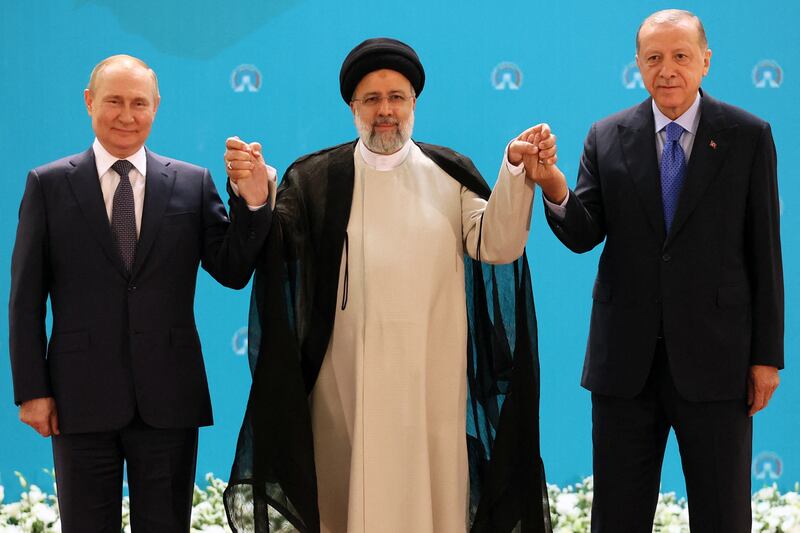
{"x":377,"y":93}
{"x":119,"y":96}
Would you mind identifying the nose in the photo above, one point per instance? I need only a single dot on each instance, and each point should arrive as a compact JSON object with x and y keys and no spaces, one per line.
{"x":126,"y":115}
{"x":667,"y":69}
{"x":384,"y":109}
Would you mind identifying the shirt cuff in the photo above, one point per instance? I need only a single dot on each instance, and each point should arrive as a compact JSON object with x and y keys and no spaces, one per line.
{"x":272,"y":176}
{"x":559,"y":211}
{"x":515,"y":170}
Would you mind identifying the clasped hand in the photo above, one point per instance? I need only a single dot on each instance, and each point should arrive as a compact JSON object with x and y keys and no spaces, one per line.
{"x":246,"y":168}
{"x":536,"y":149}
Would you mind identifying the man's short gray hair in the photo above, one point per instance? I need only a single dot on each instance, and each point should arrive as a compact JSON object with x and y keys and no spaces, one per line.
{"x":120,"y":58}
{"x":674,"y":16}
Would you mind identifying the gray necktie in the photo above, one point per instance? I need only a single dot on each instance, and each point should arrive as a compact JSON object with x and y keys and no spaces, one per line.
{"x":123,"y":215}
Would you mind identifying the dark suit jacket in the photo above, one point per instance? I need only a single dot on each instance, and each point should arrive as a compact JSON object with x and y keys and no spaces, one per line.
{"x":714,"y":283}
{"x":121,"y":343}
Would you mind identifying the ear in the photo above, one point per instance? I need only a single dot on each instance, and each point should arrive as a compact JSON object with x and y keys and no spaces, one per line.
{"x":87,"y":98}
{"x":156,"y":104}
{"x":636,"y":58}
{"x":706,"y":61}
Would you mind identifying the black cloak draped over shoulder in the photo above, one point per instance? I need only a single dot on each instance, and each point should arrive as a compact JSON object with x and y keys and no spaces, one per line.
{"x":291,"y":319}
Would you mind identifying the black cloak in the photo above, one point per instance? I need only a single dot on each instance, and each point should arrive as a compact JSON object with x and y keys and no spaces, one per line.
{"x":292,"y":310}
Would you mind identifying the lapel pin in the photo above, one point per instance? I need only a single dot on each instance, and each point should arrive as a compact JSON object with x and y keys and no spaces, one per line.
{"x":713,"y":145}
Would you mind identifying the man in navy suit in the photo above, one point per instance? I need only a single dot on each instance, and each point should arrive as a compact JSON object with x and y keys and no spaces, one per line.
{"x":113,"y":237}
{"x":687,"y":322}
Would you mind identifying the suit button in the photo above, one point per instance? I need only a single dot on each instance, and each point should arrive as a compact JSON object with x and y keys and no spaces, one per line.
{"x":667,"y":258}
{"x":131,"y":288}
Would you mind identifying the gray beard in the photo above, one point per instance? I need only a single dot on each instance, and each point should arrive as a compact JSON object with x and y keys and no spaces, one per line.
{"x":384,"y":143}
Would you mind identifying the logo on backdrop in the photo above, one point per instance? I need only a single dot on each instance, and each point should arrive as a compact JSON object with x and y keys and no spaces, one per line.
{"x":239,"y":341}
{"x":507,"y":76}
{"x":767,"y":466}
{"x":767,"y":74}
{"x":631,"y":77}
{"x":246,"y":78}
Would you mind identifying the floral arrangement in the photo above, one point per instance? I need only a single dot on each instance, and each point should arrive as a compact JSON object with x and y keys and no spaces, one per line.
{"x":570,"y":508}
{"x":773,"y":512}
{"x":37,"y":512}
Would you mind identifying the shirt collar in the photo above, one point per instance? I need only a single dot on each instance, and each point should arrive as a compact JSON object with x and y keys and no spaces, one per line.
{"x":104,"y":160}
{"x":382,"y":161}
{"x":688,"y":120}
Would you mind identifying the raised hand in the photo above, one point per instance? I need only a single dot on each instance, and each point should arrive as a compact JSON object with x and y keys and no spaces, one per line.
{"x":245,"y":166}
{"x":536,"y":148}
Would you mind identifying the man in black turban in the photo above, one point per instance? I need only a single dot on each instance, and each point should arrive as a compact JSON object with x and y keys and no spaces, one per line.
{"x":380,"y":401}
{"x":377,"y":54}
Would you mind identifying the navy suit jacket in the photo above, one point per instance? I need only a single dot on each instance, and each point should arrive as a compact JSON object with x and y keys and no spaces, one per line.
{"x":121,"y":343}
{"x":713,"y":286}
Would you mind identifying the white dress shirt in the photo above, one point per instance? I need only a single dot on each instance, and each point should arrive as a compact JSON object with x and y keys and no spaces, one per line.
{"x":109,"y":179}
{"x":689,"y":121}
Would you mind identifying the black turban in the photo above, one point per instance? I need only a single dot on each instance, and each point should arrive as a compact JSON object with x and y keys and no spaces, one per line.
{"x":376,"y":54}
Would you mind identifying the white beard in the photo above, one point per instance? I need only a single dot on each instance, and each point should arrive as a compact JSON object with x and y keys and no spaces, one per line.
{"x":385,"y":143}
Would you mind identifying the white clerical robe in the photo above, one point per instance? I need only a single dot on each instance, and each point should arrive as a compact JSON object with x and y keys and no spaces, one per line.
{"x":389,"y":406}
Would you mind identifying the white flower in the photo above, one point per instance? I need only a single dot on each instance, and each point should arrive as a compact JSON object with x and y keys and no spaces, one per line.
{"x":201,"y":509}
{"x":762,"y":507}
{"x":567,"y":505}
{"x":765,"y":493}
{"x":35,"y":495}
{"x":792,"y":498}
{"x":13,"y":510}
{"x":214,"y":529}
{"x":44,"y":513}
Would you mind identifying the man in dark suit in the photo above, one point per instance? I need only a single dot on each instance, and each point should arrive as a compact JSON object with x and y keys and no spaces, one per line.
{"x":114,"y":236}
{"x":687,"y":323}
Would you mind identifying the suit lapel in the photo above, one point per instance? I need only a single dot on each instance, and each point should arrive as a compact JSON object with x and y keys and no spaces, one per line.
{"x":157,"y":190}
{"x":85,"y":184}
{"x":639,"y":148}
{"x":713,"y":138}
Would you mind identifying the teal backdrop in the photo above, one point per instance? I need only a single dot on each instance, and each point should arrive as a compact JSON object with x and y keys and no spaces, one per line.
{"x":493,"y":69}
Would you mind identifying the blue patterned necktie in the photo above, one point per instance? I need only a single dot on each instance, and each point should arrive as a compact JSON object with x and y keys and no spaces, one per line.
{"x":673,"y":171}
{"x":123,"y":215}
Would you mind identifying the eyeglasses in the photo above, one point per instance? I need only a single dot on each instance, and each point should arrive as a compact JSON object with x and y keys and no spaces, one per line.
{"x":394,"y":100}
